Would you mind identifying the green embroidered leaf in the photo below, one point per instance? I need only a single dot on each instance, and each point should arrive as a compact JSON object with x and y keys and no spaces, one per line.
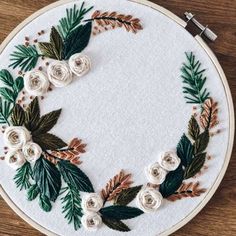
{"x":47,"y":122}
{"x":6,"y":78}
{"x":77,"y":41}
{"x":127,"y":195}
{"x":193,"y":128}
{"x":45,"y":203}
{"x":185,"y":150}
{"x":48,"y":179}
{"x":32,"y":115}
{"x":72,"y":20}
{"x":75,"y":177}
{"x":49,"y":141}
{"x":120,"y":212}
{"x":72,"y":206}
{"x":22,"y":177}
{"x":25,"y":57}
{"x":18,"y":84}
{"x":54,"y":48}
{"x":18,"y":115}
{"x":172,"y":182}
{"x":195,"y":166}
{"x":5,"y":111}
{"x":193,"y":77}
{"x":33,"y":192}
{"x":8,"y":94}
{"x":202,"y":142}
{"x":115,"y":224}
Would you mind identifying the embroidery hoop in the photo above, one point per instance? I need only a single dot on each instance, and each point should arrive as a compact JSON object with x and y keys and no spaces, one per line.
{"x":229,"y":103}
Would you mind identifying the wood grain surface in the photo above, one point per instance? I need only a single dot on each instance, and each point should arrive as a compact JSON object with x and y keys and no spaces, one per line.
{"x":219,"y":216}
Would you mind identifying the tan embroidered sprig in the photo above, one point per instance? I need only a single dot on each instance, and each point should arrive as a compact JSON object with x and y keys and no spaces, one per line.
{"x":115,"y":185}
{"x":209,"y":116}
{"x":187,"y":190}
{"x":112,"y":20}
{"x":72,"y":153}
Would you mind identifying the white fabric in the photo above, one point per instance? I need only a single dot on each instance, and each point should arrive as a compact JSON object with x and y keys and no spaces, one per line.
{"x":128,"y":108}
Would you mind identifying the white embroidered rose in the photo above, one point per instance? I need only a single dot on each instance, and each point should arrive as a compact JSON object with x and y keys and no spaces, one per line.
{"x":15,"y":137}
{"x":59,"y":74}
{"x":32,"y":151}
{"x":92,"y":202}
{"x":36,"y":83}
{"x":79,"y":64}
{"x":91,"y":221}
{"x":149,"y":199}
{"x":169,"y":160}
{"x":155,"y":173}
{"x":15,"y":159}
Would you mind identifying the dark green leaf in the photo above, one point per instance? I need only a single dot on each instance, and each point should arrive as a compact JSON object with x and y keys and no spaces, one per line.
{"x":47,"y":122}
{"x":25,"y":57}
{"x":202,"y":142}
{"x":45,"y":203}
{"x":193,"y":128}
{"x":195,"y":166}
{"x":33,"y":192}
{"x":115,"y":224}
{"x":120,"y":212}
{"x":49,"y":142}
{"x":72,"y":206}
{"x":185,"y":150}
{"x":5,"y":111}
{"x":32,"y":115}
{"x":48,"y":178}
{"x":127,"y":195}
{"x":18,"y":115}
{"x":18,"y":84}
{"x":75,"y":177}
{"x":172,"y":182}
{"x":22,"y":177}
{"x":8,"y":94}
{"x":77,"y":41}
{"x":6,"y":78}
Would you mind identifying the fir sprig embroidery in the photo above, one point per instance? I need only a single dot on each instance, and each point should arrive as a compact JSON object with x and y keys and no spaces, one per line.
{"x":25,"y":57}
{"x":194,"y":80}
{"x":23,"y":176}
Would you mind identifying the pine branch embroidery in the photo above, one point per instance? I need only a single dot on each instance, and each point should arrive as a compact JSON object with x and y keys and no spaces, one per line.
{"x":115,"y":20}
{"x":114,"y":187}
{"x":193,"y":77}
{"x":209,"y":116}
{"x":187,"y":190}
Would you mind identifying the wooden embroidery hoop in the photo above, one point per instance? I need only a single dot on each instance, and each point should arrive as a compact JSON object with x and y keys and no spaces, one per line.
{"x":219,"y":69}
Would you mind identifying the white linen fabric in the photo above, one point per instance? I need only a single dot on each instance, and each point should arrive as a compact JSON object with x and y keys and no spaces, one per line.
{"x":128,"y":108}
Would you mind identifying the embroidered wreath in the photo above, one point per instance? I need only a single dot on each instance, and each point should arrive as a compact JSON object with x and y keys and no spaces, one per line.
{"x":43,"y":161}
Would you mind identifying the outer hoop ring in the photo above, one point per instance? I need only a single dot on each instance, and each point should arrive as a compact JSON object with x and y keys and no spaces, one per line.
{"x":229,"y":101}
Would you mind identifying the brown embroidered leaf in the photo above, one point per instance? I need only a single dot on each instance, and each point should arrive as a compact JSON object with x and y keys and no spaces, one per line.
{"x":209,"y":116}
{"x":115,"y":186}
{"x":18,"y":115}
{"x":49,"y":141}
{"x":50,"y":158}
{"x":193,"y":128}
{"x":75,"y":148}
{"x":201,"y":143}
{"x":115,"y":20}
{"x":54,"y":48}
{"x":187,"y":190}
{"x":47,"y":122}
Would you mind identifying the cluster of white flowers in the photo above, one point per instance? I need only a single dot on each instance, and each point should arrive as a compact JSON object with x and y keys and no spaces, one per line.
{"x":59,"y":73}
{"x":91,"y":204}
{"x":21,"y":148}
{"x":150,"y":199}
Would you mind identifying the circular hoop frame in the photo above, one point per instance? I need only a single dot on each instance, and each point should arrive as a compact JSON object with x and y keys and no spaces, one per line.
{"x":226,"y":88}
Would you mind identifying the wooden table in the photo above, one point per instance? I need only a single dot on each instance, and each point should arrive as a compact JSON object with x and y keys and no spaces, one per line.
{"x":219,"y":216}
